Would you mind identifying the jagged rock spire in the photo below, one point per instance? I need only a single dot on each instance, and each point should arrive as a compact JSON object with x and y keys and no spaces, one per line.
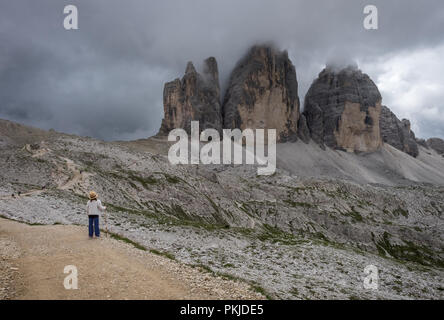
{"x":194,"y":97}
{"x":263,"y":93}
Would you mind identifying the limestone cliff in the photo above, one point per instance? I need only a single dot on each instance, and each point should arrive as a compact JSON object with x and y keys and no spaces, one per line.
{"x":342,"y":108}
{"x":263,"y":93}
{"x":436,"y":144}
{"x":194,"y":97}
{"x":303,"y":131}
{"x":397,"y":133}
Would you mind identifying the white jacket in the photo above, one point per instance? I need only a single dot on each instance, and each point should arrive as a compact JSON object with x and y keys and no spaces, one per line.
{"x":94,"y":208}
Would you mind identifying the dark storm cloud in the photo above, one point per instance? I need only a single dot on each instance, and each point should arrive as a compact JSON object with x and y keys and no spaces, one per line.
{"x":106,"y":79}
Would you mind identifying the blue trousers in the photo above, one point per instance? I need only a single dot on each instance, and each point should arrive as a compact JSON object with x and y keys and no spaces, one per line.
{"x":94,"y":226}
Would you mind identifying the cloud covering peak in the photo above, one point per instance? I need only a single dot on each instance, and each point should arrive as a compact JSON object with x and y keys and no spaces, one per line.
{"x":106,"y":79}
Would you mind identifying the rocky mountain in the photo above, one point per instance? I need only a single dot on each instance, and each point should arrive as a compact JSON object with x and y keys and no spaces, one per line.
{"x":194,"y":97}
{"x":436,"y":144}
{"x":305,"y":232}
{"x":397,"y":133}
{"x":343,"y":108}
{"x":296,"y":236}
{"x":263,"y":93}
{"x":343,"y":111}
{"x":303,"y":130}
{"x":15,"y":133}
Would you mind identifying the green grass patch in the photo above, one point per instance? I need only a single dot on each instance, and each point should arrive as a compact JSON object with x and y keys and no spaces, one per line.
{"x":229,"y":265}
{"x":276,"y":235}
{"x":204,"y":268}
{"x":126,"y":240}
{"x":146,"y":182}
{"x":355,"y":215}
{"x":171,"y":179}
{"x":408,"y":252}
{"x":400,"y":211}
{"x":295,"y":204}
{"x":294,"y":292}
{"x":5,"y":217}
{"x":262,"y":291}
{"x":163,"y":254}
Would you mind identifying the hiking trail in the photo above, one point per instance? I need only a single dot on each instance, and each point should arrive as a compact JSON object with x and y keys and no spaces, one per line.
{"x":33,"y":258}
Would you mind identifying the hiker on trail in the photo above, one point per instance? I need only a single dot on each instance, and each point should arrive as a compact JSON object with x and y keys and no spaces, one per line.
{"x":94,"y":209}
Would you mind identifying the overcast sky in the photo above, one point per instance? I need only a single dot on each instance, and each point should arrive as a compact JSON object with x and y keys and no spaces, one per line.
{"x":106,"y":79}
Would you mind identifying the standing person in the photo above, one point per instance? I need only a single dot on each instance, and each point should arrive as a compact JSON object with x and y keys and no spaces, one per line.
{"x":94,"y":209}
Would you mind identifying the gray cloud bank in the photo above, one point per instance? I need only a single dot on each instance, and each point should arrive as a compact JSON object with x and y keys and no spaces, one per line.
{"x":106,"y":79}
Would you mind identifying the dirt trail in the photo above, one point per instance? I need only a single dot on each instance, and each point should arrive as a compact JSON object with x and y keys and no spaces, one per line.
{"x":32,"y":261}
{"x":78,"y":177}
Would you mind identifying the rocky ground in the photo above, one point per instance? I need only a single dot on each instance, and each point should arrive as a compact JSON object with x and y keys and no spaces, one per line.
{"x":9,"y":271}
{"x":289,"y":236}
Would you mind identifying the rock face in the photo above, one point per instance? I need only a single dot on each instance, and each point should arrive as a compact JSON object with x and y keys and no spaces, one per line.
{"x":343,"y":108}
{"x":263,"y":93}
{"x":397,"y":133}
{"x":303,"y":131}
{"x":422,"y":142}
{"x":194,"y":98}
{"x":436,"y":144}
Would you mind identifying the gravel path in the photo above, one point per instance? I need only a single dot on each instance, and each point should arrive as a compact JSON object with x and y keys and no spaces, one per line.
{"x":32,"y":261}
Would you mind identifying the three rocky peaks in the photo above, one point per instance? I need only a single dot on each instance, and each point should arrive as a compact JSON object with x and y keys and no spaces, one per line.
{"x":342,"y":108}
{"x":262,"y":93}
